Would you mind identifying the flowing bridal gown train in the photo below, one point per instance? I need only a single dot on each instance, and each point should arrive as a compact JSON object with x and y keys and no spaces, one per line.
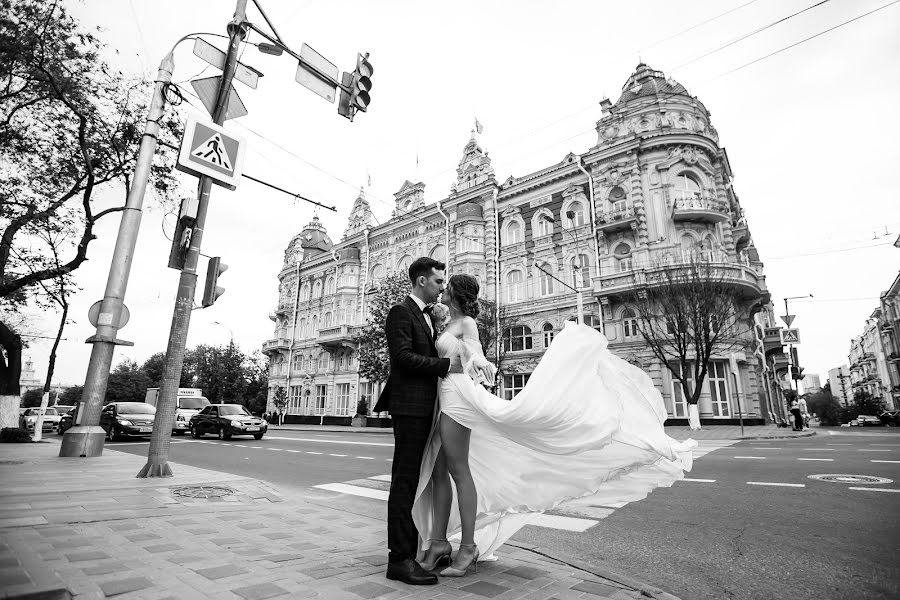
{"x":587,"y":426}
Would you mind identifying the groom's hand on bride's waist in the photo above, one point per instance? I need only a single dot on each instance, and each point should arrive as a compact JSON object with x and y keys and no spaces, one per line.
{"x":455,"y":367}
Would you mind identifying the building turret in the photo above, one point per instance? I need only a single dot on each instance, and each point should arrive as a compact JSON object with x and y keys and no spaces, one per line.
{"x":360,"y":216}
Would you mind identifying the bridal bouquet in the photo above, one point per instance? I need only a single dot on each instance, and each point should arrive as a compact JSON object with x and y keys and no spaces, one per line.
{"x":439,"y":315}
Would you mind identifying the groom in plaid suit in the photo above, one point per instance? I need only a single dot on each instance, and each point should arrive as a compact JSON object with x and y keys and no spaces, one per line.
{"x":410,"y":395}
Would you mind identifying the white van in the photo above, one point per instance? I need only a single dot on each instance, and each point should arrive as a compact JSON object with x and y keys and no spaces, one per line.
{"x":189,"y":402}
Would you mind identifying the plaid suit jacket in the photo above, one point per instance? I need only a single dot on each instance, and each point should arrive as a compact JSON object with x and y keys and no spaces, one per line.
{"x":411,"y":388}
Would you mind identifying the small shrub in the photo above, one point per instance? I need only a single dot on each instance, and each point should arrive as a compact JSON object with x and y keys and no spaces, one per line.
{"x":14,"y":435}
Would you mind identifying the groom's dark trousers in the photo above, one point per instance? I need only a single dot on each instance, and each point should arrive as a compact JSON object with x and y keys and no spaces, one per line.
{"x":410,"y":395}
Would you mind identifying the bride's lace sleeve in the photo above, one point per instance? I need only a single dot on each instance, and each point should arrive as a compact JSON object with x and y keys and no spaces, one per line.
{"x":473,"y":358}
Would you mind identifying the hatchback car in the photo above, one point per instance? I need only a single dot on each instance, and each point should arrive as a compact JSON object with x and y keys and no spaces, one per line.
{"x":868,"y":420}
{"x":226,"y":420}
{"x":127,"y":418}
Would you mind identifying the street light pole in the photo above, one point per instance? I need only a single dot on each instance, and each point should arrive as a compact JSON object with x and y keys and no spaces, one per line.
{"x":230,"y":333}
{"x":791,"y":365}
{"x":86,"y":439}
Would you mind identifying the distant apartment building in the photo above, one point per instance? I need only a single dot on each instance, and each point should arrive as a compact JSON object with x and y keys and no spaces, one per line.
{"x":811,"y":384}
{"x":889,"y":328}
{"x":840,"y":383}
{"x":653,"y":193}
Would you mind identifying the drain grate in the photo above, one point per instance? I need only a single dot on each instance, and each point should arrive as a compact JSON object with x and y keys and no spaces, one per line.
{"x":12,"y":462}
{"x":203,"y":491}
{"x":863,"y":479}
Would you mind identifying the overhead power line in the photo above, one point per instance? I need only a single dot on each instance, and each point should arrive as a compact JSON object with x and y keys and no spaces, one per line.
{"x":695,"y":26}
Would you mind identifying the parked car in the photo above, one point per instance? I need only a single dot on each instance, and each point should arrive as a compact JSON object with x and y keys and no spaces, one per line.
{"x":226,"y":420}
{"x":62,"y":410}
{"x":891,"y":418}
{"x":868,"y":420}
{"x":127,"y":418}
{"x":28,"y":419}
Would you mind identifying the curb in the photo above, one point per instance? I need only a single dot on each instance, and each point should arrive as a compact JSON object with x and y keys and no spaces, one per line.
{"x":625,"y":581}
{"x":778,"y":437}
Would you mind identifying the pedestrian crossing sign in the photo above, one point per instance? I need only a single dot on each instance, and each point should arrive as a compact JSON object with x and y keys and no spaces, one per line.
{"x":208,"y":149}
{"x":790,"y":336}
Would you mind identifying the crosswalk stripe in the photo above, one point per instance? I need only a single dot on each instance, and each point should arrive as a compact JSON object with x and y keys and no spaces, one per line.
{"x":870,"y":489}
{"x":698,"y":480}
{"x":885,"y":461}
{"x":819,"y":459}
{"x":776,"y":484}
{"x":564,"y":523}
{"x":354,"y":490}
{"x":381,"y":478}
{"x":873,"y":450}
{"x":752,"y":457}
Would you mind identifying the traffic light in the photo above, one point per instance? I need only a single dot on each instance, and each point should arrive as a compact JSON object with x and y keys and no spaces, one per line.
{"x":211,"y":291}
{"x":359,"y":83}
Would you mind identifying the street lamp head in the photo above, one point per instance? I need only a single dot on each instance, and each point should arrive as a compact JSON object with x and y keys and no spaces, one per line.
{"x":270,"y":49}
{"x":570,"y":214}
{"x":548,"y":218}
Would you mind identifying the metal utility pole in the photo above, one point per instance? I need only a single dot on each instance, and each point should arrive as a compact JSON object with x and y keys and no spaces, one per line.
{"x":158,"y":455}
{"x":86,"y":439}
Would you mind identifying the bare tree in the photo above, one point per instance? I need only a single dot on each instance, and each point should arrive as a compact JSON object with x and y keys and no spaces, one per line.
{"x":687,"y":313}
{"x":493,"y":327}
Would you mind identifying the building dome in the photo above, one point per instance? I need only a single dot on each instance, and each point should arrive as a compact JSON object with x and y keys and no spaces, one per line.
{"x":646,"y":82}
{"x":314,"y":239}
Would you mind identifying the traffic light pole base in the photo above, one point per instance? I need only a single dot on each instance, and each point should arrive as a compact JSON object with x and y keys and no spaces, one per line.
{"x":83,"y":441}
{"x":156,"y":469}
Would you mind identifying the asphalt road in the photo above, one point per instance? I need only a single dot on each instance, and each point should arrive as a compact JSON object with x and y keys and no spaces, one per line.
{"x":700,"y":540}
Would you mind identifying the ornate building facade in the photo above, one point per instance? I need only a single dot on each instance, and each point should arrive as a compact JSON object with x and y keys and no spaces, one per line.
{"x":655,"y":191}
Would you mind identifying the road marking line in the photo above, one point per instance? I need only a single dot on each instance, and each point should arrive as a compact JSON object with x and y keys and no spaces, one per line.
{"x":337,"y":455}
{"x":275,"y":449}
{"x":255,"y":447}
{"x":821,"y":459}
{"x":885,"y":461}
{"x":366,"y":457}
{"x":239,"y":445}
{"x":381,"y":478}
{"x":891,"y":445}
{"x":764,"y":448}
{"x":818,"y":449}
{"x":777,"y":484}
{"x":354,"y":490}
{"x":753,"y":457}
{"x":842,"y":444}
{"x":297,"y":451}
{"x":868,"y":489}
{"x":389,"y":459}
{"x":698,"y":480}
{"x":564,"y":523}
{"x":873,"y":450}
{"x":318,"y":441}
{"x":308,"y":452}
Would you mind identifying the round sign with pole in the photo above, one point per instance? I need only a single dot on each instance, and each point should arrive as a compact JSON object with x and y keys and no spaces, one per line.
{"x":97,"y":318}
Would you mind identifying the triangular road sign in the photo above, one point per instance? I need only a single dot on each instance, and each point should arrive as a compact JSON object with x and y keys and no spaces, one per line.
{"x":213,"y":151}
{"x":788,"y":319}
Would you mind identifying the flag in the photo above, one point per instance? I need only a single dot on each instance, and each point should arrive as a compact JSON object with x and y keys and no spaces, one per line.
{"x":370,"y":178}
{"x":478,"y":126}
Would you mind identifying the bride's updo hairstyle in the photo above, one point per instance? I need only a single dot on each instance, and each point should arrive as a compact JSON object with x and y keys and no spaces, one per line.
{"x":464,"y":289}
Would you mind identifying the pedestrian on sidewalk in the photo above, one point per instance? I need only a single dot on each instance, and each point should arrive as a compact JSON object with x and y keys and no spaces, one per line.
{"x":798,"y":417}
{"x":804,"y":414}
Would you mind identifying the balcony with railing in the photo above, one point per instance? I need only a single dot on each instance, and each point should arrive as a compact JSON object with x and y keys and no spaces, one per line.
{"x":699,"y":208}
{"x":339,"y":335}
{"x":772,"y":339}
{"x":276,"y":344}
{"x":648,"y":268}
{"x":618,"y":216}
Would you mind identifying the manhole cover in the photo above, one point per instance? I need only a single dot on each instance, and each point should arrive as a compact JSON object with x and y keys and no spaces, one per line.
{"x":12,"y":462}
{"x":851,"y":479}
{"x":203,"y":491}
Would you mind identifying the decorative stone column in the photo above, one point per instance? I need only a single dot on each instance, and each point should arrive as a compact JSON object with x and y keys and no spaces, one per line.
{"x":637,"y":198}
{"x":727,"y":237}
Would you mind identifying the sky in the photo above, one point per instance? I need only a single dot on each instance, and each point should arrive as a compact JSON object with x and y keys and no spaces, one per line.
{"x":810,"y":132}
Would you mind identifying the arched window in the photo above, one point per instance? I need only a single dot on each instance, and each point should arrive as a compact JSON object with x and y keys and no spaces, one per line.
{"x":323,"y":361}
{"x":623,"y":257}
{"x":706,"y":249}
{"x":329,"y":285}
{"x":302,"y":328}
{"x":304,"y":292}
{"x":543,"y":225}
{"x":317,"y":289}
{"x":377,"y":272}
{"x":514,"y":286}
{"x":327,"y":320}
{"x":517,"y":338}
{"x":581,"y":271}
{"x":545,"y":279}
{"x":617,"y":198}
{"x":687,"y":187}
{"x":315,"y":326}
{"x":548,"y":334}
{"x":439,"y":252}
{"x":576,"y":209}
{"x":630,"y":325}
{"x":513,"y":233}
{"x":403,"y":265}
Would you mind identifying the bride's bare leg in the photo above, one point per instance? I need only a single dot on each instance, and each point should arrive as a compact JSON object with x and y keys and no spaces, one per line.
{"x":442,"y":498}
{"x":455,"y":446}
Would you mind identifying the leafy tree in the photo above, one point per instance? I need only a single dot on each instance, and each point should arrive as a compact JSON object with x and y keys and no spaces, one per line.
{"x":71,"y":395}
{"x":491,"y":321}
{"x":32,"y":398}
{"x":687,"y":312}
{"x":69,"y":126}
{"x":374,"y":363}
{"x":864,"y":404}
{"x":127,"y":383}
{"x":826,"y":407}
{"x":256,"y":367}
{"x":280,"y":400}
{"x":153,"y":369}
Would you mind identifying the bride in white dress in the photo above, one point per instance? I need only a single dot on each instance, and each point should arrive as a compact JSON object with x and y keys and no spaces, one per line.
{"x":587,"y":425}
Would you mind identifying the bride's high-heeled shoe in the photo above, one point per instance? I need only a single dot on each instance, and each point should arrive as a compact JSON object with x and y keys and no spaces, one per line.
{"x":441,"y":557}
{"x":462,"y":569}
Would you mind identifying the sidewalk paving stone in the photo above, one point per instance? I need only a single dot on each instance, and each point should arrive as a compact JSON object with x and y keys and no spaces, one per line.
{"x":170,"y":544}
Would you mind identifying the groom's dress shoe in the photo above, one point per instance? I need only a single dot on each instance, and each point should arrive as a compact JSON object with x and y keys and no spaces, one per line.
{"x":409,"y":572}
